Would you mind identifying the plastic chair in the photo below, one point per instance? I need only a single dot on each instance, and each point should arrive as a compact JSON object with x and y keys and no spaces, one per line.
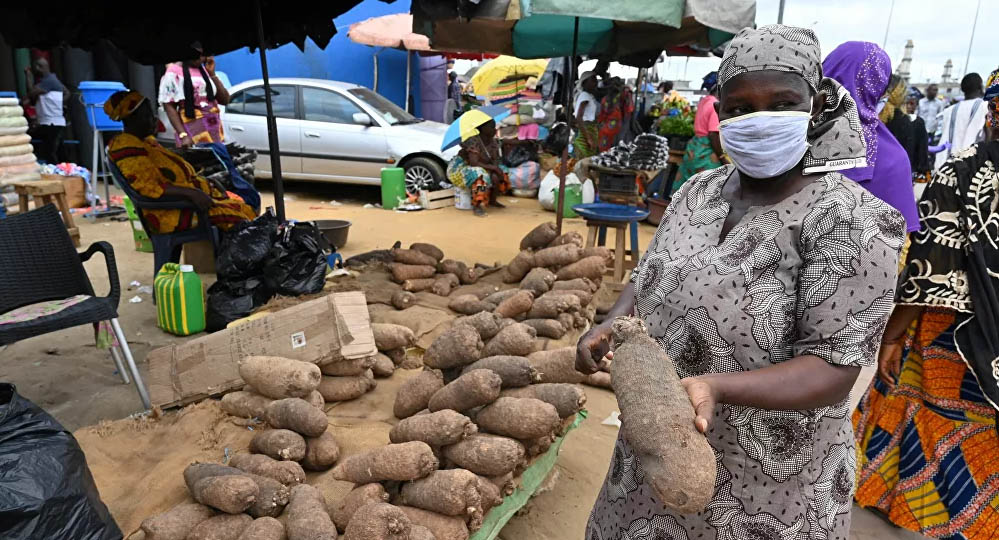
{"x":167,"y":247}
{"x":40,"y":264}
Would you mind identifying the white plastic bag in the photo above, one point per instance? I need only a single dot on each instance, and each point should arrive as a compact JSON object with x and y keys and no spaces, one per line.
{"x":546,"y":193}
{"x":589,"y":192}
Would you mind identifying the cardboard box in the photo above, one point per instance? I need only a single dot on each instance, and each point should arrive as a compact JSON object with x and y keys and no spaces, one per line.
{"x":200,"y":255}
{"x":336,"y":326}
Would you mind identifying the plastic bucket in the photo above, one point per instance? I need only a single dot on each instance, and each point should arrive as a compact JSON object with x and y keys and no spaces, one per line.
{"x":462,"y":199}
{"x":573,"y":196}
{"x":95,"y":93}
{"x":393,"y":187}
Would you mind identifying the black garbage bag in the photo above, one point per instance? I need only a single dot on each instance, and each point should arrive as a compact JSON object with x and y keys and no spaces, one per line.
{"x":296,"y":264}
{"x":557,"y":139}
{"x":229,"y":300}
{"x":46,"y":489}
{"x":517,"y":157}
{"x":244,"y":248}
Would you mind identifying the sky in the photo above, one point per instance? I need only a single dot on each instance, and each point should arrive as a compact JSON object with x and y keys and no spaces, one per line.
{"x":939,"y":29}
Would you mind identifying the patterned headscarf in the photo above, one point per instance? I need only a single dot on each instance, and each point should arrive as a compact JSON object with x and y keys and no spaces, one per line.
{"x":123,"y":103}
{"x":992,"y":97}
{"x":835,"y":137}
{"x":895,"y":95}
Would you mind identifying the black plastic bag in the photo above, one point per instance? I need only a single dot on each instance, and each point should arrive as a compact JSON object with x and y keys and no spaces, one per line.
{"x":46,"y":489}
{"x":557,"y":139}
{"x":517,"y":157}
{"x":229,"y":300}
{"x":296,"y":264}
{"x":244,"y":248}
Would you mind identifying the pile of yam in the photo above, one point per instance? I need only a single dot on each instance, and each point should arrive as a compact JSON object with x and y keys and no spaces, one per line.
{"x":423,"y":267}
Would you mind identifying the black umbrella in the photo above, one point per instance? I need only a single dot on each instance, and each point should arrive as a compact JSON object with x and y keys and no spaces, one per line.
{"x":153,"y":36}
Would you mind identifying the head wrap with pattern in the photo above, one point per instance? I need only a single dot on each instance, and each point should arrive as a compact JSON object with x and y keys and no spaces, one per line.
{"x":123,"y":103}
{"x":992,"y":99}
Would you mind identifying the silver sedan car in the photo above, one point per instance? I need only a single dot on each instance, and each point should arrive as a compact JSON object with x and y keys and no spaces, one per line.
{"x":331,"y":131}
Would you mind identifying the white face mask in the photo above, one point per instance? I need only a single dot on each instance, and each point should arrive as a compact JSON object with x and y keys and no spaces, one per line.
{"x":767,"y":143}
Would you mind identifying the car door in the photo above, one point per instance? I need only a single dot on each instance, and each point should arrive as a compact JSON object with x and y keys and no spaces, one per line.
{"x":334,"y":147}
{"x":246,"y":124}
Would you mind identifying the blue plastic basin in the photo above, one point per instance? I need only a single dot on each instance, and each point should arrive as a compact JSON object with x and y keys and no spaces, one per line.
{"x":95,"y":93}
{"x":611,"y":212}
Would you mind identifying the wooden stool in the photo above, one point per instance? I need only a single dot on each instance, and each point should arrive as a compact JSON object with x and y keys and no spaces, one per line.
{"x":597,"y":236}
{"x":45,"y":192}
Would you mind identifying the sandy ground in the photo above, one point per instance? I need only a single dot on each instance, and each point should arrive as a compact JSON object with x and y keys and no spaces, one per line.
{"x":70,"y":378}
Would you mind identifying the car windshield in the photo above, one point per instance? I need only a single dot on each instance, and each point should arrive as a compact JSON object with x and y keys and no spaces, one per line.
{"x":388,"y":110}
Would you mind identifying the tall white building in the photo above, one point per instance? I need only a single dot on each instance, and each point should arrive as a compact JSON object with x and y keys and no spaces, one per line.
{"x":905,"y":66}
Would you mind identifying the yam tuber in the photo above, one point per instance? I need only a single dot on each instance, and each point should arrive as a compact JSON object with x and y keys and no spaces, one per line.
{"x":466,"y":275}
{"x":428,"y":249}
{"x":539,"y":237}
{"x":418,"y":285}
{"x":469,"y":304}
{"x":486,"y":322}
{"x":443,"y":284}
{"x":176,"y":523}
{"x":538,"y":281}
{"x":515,"y":304}
{"x":513,"y":340}
{"x":316,"y":400}
{"x":279,"y":378}
{"x":514,"y":371}
{"x":519,"y":267}
{"x":568,"y":399}
{"x":498,"y":297}
{"x":414,"y":395}
{"x":245,"y":404}
{"x":600,"y":379}
{"x":578,"y":284}
{"x":567,"y":321}
{"x":419,"y":532}
{"x":548,"y":328}
{"x":552,"y":304}
{"x":264,"y":528}
{"x":504,"y":483}
{"x":271,"y":498}
{"x":282,"y":444}
{"x":489,"y":493}
{"x":297,"y":415}
{"x":539,"y":445}
{"x":557,"y":365}
{"x":392,"y":336}
{"x":230,"y":494}
{"x":452,"y":492}
{"x":585,"y":297}
{"x":349,"y":368}
{"x":600,"y":251}
{"x":485,"y":454}
{"x":378,"y":521}
{"x":458,"y":346}
{"x":221,"y":527}
{"x":403,"y":299}
{"x":409,"y":256}
{"x":288,"y":473}
{"x":383,"y":366}
{"x":571,"y":237}
{"x":557,"y":256}
{"x":307,"y":515}
{"x":321,"y":452}
{"x":475,"y":388}
{"x":357,"y":498}
{"x":439,"y":428}
{"x":657,"y":420}
{"x":196,"y":472}
{"x":345,"y":388}
{"x":400,"y":462}
{"x":589,"y":267}
{"x":443,"y":527}
{"x":519,"y":418}
{"x":402,"y":272}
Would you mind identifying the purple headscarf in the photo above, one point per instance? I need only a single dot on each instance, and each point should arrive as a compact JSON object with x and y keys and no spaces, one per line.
{"x":863,"y":69}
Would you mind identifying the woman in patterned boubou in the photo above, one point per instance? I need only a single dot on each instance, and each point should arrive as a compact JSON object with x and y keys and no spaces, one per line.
{"x":927,"y":426}
{"x":769,"y":284}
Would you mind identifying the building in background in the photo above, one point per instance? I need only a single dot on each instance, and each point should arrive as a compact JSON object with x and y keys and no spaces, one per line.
{"x":950,"y":88}
{"x":905,"y":66}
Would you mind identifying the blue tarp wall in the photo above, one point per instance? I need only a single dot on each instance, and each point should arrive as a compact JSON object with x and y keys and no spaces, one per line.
{"x":343,"y":60}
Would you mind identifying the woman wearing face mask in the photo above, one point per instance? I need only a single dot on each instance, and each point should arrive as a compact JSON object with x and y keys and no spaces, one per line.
{"x":768,"y":283}
{"x":191,"y":93}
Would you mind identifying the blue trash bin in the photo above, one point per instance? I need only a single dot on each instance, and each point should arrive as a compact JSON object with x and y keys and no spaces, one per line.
{"x":95,"y":93}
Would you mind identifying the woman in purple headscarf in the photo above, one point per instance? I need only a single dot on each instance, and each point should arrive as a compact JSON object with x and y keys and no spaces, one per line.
{"x":864,"y":69}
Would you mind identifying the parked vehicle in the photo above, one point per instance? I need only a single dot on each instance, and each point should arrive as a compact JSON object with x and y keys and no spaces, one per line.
{"x":332,"y":131}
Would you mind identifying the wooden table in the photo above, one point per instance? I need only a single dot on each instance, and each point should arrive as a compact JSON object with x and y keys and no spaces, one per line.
{"x":47,"y":192}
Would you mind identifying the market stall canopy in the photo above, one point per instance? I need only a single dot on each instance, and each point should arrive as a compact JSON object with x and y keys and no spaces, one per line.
{"x":493,"y":72}
{"x":633,"y":32}
{"x":393,"y":31}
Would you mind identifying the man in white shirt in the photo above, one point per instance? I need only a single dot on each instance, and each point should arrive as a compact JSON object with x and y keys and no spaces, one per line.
{"x":930,"y":107}
{"x":963,"y":124}
{"x":48,"y":96}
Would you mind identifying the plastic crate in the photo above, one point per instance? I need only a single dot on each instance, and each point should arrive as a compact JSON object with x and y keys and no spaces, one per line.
{"x":95,"y":93}
{"x":617,"y":182}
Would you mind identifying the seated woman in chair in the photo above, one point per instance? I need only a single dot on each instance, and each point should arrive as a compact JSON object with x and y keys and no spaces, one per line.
{"x":155,"y":172}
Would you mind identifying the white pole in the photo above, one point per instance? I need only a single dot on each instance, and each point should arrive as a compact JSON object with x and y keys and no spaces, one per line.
{"x":891,"y":11}
{"x":409,"y":74}
{"x":967,"y":59}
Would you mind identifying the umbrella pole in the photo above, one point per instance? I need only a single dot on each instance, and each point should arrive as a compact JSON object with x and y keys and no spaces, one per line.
{"x":272,"y":133}
{"x":409,"y":74}
{"x":570,"y":71}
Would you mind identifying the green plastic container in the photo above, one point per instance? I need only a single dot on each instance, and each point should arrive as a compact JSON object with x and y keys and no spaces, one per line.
{"x":180,"y":300}
{"x":573,"y":196}
{"x":393,"y":187}
{"x":142,"y":241}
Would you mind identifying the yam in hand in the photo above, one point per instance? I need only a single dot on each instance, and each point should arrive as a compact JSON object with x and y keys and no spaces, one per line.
{"x":321,"y":452}
{"x":403,"y":272}
{"x":538,"y":281}
{"x":245,"y":404}
{"x":403,"y":299}
{"x":308,"y":517}
{"x":485,"y":454}
{"x":518,"y":418}
{"x":409,"y":256}
{"x":600,"y":379}
{"x":358,"y":497}
{"x":414,"y":395}
{"x":515,"y":305}
{"x":556,"y":365}
{"x":568,"y":399}
{"x":452,"y":492}
{"x":349,"y":368}
{"x":401,"y":462}
{"x":473,"y":389}
{"x":657,"y":420}
{"x":590,"y":267}
{"x":558,"y":256}
{"x":458,"y":346}
{"x":346,"y":388}
{"x":288,"y":473}
{"x":279,"y":378}
{"x":221,"y":527}
{"x":264,"y":528}
{"x":281,"y":444}
{"x":514,"y":371}
{"x":469,"y":304}
{"x":437,"y":429}
{"x":392,"y":336}
{"x":378,"y":521}
{"x":418,"y":285}
{"x":443,"y":527}
{"x":519,"y":267}
{"x":176,"y":523}
{"x":486,"y":322}
{"x":513,"y":340}
{"x":297,"y":415}
{"x":539,"y":237}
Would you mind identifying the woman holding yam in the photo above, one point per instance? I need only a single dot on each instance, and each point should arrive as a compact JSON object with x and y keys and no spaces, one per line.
{"x":768,"y":284}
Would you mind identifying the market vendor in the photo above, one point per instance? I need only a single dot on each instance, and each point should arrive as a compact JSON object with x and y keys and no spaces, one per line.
{"x":477,"y":168}
{"x":191,"y":93}
{"x":587,"y":107}
{"x":156,"y":172}
{"x":704,"y":150}
{"x":769,"y":283}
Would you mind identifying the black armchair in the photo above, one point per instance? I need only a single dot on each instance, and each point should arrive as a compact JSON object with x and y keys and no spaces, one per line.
{"x":167,"y":247}
{"x":38,"y":263}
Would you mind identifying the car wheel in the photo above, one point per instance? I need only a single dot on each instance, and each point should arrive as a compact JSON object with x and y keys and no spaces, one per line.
{"x":423,"y":174}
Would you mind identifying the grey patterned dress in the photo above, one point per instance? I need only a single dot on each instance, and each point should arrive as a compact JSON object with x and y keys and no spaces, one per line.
{"x":811,"y":275}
